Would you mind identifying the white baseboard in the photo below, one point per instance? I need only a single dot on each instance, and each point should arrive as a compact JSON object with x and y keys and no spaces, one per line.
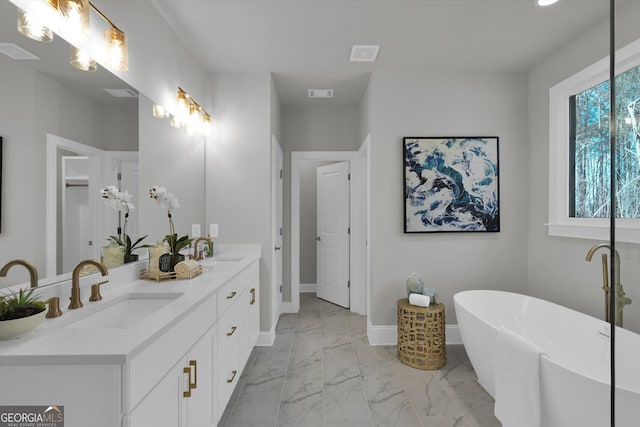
{"x":266,"y":338}
{"x":287,"y":307}
{"x":388,"y":334}
{"x":307,"y":287}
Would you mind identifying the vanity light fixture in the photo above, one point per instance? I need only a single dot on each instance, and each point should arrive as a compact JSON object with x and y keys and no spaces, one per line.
{"x":73,"y":24}
{"x":81,"y":60}
{"x":188,"y":115}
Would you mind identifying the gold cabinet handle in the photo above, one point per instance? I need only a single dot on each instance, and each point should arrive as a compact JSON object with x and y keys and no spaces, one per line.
{"x":233,"y":330}
{"x":230,"y":380}
{"x":253,"y":296}
{"x":233,"y":294}
{"x":187,"y":370}
{"x":194,"y":363}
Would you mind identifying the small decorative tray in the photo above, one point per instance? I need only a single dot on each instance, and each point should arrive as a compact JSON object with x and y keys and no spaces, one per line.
{"x":144,"y":275}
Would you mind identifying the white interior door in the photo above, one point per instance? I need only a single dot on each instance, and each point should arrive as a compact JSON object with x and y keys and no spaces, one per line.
{"x":277,"y":187}
{"x":332,"y":281}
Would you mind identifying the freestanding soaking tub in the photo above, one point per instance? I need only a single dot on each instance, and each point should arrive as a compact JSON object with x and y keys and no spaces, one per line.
{"x":574,"y":368}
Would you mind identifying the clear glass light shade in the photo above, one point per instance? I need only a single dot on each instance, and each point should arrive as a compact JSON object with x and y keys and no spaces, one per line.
{"x":182,"y":107}
{"x":160,"y":112}
{"x":176,"y":122}
{"x":207,"y":129}
{"x":75,"y":23}
{"x":117,"y":57}
{"x":82,"y":61}
{"x":32,"y":26}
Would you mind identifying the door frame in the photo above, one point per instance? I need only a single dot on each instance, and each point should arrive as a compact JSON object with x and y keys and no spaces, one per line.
{"x":277,"y":179}
{"x":357,"y":250}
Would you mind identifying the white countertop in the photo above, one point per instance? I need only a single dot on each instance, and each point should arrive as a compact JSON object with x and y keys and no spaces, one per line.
{"x":51,"y":343}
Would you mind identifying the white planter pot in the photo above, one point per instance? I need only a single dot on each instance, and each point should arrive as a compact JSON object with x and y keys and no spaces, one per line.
{"x":17,"y":328}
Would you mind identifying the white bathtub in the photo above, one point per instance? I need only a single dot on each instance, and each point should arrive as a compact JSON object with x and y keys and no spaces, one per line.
{"x":574,"y":373}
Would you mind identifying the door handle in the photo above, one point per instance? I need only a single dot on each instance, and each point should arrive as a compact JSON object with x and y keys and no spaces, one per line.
{"x":318,"y":239}
{"x":277,"y":248}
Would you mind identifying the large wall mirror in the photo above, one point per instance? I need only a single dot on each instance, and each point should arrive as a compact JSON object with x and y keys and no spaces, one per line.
{"x":65,"y":138}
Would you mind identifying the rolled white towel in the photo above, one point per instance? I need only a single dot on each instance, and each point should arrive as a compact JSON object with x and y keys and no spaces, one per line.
{"x":419,"y":300}
{"x":185,"y":267}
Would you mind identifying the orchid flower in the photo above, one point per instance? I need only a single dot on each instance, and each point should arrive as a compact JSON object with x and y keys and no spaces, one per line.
{"x":120,"y":201}
{"x":168,"y":201}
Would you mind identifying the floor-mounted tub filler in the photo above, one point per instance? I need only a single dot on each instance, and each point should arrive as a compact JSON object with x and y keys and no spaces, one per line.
{"x":547,"y":365}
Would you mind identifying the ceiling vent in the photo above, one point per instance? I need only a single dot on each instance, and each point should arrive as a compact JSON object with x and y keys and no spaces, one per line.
{"x":122,"y":93}
{"x":320,"y":93}
{"x":364,"y":53}
{"x":16,"y":52}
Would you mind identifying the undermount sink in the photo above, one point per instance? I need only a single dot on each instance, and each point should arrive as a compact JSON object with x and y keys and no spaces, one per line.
{"x":222,"y":261}
{"x":226,"y":258}
{"x":125,"y":312}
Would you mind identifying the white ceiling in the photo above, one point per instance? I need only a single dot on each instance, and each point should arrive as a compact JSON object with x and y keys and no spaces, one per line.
{"x":306,"y":43}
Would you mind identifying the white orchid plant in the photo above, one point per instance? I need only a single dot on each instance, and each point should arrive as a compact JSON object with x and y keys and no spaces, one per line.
{"x":169,"y":202}
{"x":121,"y":201}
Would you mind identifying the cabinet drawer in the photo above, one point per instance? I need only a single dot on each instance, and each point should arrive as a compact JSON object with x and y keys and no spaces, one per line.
{"x":231,"y":346}
{"x":229,"y":293}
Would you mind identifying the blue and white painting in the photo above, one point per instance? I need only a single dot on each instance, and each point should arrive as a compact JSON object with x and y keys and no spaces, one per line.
{"x":451,"y":184}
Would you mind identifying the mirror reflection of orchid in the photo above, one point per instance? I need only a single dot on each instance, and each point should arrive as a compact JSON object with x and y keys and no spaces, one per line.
{"x":121,"y":201}
{"x":169,"y":202}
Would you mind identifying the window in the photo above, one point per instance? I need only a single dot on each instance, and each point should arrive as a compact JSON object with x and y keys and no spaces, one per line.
{"x":579,"y":189}
{"x":589,"y":149}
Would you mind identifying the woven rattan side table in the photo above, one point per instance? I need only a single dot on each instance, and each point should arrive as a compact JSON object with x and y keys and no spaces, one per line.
{"x":421,"y":336}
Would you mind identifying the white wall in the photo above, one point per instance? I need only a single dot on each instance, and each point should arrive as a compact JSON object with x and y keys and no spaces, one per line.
{"x":312,"y":129}
{"x":445,"y":104}
{"x":557,"y":269}
{"x":238,"y":168}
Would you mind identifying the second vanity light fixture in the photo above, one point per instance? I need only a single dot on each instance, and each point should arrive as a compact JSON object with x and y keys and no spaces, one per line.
{"x":72,"y":22}
{"x":188,"y":115}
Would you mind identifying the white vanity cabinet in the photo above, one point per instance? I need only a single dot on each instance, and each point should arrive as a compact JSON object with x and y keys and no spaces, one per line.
{"x":176,"y":369}
{"x":184,"y":397}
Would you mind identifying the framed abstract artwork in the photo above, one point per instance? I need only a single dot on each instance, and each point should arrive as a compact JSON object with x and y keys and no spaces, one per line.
{"x":451,"y":184}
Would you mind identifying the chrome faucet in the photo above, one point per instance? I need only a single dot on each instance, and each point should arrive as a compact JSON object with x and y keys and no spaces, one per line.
{"x":33,"y":273}
{"x":621,"y":300}
{"x":198,"y":255}
{"x":75,"y":280}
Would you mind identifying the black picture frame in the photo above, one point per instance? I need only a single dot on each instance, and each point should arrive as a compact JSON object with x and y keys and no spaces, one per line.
{"x":451,"y":184}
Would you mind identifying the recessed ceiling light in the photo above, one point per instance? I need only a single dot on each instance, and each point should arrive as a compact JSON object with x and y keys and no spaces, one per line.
{"x":14,"y":51}
{"x":122,"y":93}
{"x":364,"y":53}
{"x":320,"y":93}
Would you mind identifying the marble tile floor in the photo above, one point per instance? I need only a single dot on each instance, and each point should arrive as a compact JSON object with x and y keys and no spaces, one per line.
{"x":321,"y":372}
